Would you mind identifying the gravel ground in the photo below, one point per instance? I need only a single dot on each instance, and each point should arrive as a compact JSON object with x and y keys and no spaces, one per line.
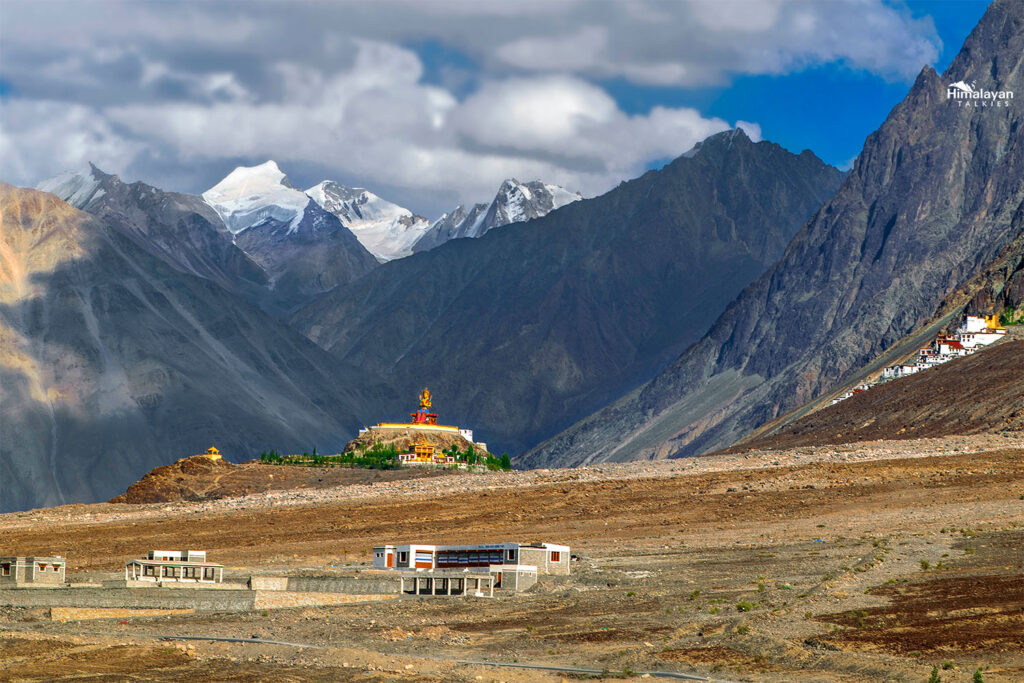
{"x":451,"y":485}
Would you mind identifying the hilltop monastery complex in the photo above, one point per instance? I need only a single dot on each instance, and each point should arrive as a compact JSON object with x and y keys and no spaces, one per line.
{"x":421,"y":441}
{"x":973,"y":334}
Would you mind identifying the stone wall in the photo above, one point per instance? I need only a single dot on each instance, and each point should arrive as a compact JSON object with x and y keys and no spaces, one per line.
{"x":344,"y":584}
{"x":285,"y":599}
{"x":146,"y":598}
{"x":268,"y":583}
{"x":197,"y":599}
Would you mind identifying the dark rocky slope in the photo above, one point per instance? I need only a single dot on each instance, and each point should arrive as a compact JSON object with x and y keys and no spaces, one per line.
{"x":977,"y":394}
{"x":318,"y":255}
{"x":935,"y":195}
{"x":526,"y":329}
{"x":114,"y":361}
{"x":268,"y":264}
{"x":180,"y":229}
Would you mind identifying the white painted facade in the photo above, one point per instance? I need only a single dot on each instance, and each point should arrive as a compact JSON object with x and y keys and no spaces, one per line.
{"x":546,"y":557}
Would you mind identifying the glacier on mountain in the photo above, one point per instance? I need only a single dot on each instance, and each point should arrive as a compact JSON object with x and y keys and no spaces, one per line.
{"x":250,"y":195}
{"x":387,"y":230}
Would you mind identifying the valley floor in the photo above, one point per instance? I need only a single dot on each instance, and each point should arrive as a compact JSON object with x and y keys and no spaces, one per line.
{"x":864,"y":562}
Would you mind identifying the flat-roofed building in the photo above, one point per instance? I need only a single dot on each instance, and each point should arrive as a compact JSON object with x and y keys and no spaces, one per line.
{"x":32,"y":572}
{"x":540,"y":558}
{"x":174,"y":566}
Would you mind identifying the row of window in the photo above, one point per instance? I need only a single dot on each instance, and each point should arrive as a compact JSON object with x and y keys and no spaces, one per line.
{"x":207,"y":573}
{"x":471,"y":558}
{"x":5,"y":568}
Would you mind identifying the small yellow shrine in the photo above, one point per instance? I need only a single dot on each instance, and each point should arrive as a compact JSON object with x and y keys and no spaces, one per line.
{"x":424,"y":453}
{"x":212,"y":453}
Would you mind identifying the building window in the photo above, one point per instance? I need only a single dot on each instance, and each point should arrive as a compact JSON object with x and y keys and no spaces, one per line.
{"x":403,"y":557}
{"x":556,"y":556}
{"x":511,"y":555}
{"x":5,"y":569}
{"x":42,"y":567}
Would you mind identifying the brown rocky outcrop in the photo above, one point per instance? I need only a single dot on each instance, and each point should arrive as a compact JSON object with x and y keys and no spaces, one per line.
{"x":403,"y":440}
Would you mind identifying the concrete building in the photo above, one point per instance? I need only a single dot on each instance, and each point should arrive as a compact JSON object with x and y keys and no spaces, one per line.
{"x":32,"y":572}
{"x":514,"y":565}
{"x":174,"y":566}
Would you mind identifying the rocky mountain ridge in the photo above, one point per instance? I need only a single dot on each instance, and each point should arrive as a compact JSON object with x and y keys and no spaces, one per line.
{"x":525,"y":329}
{"x":514,"y":202}
{"x":258,"y":240}
{"x":117,"y":358}
{"x":936,"y":194}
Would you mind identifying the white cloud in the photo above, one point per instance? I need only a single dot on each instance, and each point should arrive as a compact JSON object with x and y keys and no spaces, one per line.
{"x":576,"y":51}
{"x":552,"y":113}
{"x":701,"y":42}
{"x":740,"y":16}
{"x":40,"y":138}
{"x":160,"y":88}
{"x":753,"y":130}
{"x":383,"y":127}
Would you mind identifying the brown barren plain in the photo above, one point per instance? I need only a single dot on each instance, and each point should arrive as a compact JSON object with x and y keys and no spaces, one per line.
{"x":863,"y":562}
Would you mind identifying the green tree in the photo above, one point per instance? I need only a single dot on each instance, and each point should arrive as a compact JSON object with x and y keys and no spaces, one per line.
{"x":506,"y":462}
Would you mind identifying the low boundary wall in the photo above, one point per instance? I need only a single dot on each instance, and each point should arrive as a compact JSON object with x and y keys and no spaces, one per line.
{"x":145,"y":598}
{"x":198,"y":600}
{"x":344,"y":584}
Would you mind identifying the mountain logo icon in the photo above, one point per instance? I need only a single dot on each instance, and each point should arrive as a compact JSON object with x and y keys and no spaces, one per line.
{"x":970,"y":95}
{"x":963,"y":87}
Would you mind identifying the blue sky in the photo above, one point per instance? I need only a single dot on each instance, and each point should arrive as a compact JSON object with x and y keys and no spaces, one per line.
{"x":434,"y":102}
{"x":829,"y":109}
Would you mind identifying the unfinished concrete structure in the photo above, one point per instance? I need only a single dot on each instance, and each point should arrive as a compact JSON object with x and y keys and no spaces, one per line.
{"x":32,"y":572}
{"x":174,"y":566}
{"x":448,"y":583}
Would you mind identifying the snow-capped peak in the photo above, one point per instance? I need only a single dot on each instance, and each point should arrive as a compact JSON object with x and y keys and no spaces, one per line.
{"x":514,"y":202}
{"x":725,"y":136}
{"x":386,"y":229}
{"x":517,"y":201}
{"x":250,"y":195}
{"x":76,"y":188}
